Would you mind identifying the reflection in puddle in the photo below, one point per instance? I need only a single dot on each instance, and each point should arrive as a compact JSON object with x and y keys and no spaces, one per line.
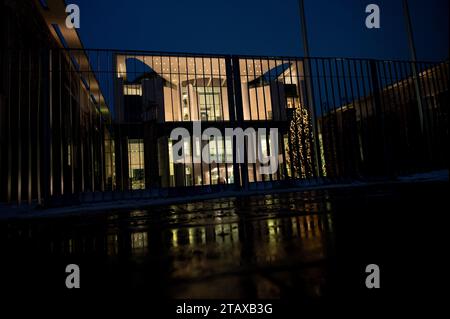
{"x":261,"y":246}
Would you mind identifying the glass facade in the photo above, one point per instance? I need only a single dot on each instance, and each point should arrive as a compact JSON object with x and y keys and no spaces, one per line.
{"x":274,"y":90}
{"x":136,"y":164}
{"x":269,"y":87}
{"x":184,"y":88}
{"x":110,"y":166}
{"x":190,"y":89}
{"x":191,"y":173}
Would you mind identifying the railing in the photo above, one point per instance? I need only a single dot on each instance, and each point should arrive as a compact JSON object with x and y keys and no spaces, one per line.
{"x":95,"y":121}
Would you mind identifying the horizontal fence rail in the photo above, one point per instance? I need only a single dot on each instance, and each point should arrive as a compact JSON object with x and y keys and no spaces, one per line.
{"x":96,"y":124}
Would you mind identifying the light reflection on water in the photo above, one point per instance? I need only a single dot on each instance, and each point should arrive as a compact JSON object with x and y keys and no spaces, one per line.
{"x":262,"y":246}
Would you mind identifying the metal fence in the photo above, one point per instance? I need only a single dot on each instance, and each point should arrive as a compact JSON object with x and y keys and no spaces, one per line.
{"x":96,"y":123}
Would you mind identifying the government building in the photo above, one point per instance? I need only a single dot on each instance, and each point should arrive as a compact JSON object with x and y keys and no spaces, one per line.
{"x":80,"y":124}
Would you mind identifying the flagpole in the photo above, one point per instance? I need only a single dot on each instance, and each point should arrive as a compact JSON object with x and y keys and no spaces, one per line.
{"x":308,"y":82}
{"x":412,"y":50}
{"x":301,"y":6}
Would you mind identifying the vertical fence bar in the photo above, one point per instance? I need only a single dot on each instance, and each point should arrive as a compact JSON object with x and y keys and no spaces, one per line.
{"x":361,"y":127}
{"x":312,"y":109}
{"x":320,"y":126}
{"x":9,"y":142}
{"x":426,"y":109}
{"x":81,"y":124}
{"x":60,"y":126}
{"x":101,"y":137}
{"x":400,"y":80}
{"x":329,"y":121}
{"x":439,"y":116}
{"x":336,"y":134}
{"x":29,"y":190}
{"x":19,"y":131}
{"x":71,"y":74}
{"x":38,"y":128}
{"x":190,"y":109}
{"x":350,"y":121}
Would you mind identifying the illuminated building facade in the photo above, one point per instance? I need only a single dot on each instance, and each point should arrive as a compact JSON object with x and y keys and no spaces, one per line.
{"x":81,"y":124}
{"x":156,"y":93}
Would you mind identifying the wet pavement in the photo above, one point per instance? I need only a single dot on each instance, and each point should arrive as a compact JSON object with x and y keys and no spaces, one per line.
{"x":312,"y":244}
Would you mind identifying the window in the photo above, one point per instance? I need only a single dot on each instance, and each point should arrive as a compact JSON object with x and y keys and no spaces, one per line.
{"x":209,"y":100}
{"x":110,"y":168}
{"x":136,"y":164}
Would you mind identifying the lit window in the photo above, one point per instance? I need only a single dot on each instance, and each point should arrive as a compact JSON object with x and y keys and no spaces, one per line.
{"x":136,"y":171}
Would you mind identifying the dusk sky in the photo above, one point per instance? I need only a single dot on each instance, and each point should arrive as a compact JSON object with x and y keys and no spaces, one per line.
{"x":265,"y":27}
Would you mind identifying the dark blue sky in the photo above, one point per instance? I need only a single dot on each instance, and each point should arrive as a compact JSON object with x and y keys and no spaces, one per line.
{"x":265,"y":27}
